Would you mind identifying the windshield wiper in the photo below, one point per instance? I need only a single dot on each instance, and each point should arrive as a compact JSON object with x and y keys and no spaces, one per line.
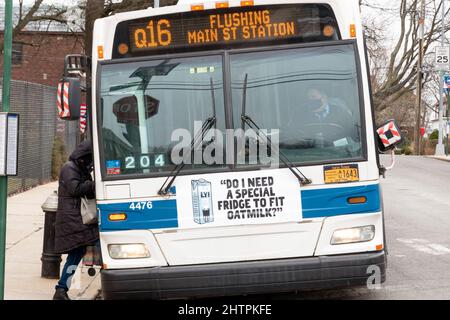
{"x":245,"y":119}
{"x":207,"y":125}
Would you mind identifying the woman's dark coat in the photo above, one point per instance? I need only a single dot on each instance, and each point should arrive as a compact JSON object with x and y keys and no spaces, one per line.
{"x":74,"y":182}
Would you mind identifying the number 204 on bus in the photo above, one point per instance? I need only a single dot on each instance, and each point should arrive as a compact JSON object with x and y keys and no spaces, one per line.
{"x":235,"y":148}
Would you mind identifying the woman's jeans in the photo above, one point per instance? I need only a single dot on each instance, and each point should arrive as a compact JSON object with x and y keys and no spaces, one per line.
{"x":73,"y":260}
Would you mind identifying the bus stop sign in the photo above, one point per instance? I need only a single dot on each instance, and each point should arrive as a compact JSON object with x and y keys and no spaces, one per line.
{"x":9,"y":136}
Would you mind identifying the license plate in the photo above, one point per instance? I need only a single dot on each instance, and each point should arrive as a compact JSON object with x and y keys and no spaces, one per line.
{"x":341,"y":174}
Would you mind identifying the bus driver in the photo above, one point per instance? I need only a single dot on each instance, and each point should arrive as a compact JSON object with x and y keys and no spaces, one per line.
{"x":326,"y":121}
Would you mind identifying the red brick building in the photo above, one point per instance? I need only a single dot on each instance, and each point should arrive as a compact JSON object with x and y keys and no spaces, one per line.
{"x":39,"y":56}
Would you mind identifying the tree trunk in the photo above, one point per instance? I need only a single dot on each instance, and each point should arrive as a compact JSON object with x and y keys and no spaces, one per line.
{"x":94,"y":10}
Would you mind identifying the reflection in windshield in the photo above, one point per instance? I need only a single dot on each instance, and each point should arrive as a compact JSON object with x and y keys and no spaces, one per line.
{"x":143,"y":103}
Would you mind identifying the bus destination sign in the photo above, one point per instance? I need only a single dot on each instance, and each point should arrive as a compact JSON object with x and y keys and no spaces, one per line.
{"x":237,"y":25}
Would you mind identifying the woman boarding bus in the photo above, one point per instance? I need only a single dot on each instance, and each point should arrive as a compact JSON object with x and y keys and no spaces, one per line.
{"x":235,"y":150}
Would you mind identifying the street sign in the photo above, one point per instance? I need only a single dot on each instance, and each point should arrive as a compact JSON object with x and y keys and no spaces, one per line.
{"x":442,"y":58}
{"x":9,"y":136}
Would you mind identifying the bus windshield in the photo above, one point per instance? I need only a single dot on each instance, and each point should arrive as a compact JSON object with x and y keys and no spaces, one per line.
{"x":310,"y":95}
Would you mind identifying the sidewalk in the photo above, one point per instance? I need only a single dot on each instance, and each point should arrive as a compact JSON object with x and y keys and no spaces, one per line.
{"x":24,"y":240}
{"x":442,"y":158}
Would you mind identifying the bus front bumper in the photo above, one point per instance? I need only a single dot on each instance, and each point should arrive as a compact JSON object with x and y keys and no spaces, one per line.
{"x":237,"y":278}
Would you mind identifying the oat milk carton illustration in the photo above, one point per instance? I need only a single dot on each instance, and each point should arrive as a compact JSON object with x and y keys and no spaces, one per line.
{"x":202,"y":201}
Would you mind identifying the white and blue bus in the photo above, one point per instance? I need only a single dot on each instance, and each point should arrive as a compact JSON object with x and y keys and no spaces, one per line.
{"x":188,"y":204}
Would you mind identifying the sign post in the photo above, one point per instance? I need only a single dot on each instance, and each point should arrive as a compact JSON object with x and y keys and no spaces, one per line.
{"x":442,"y":59}
{"x":447,"y":127}
{"x":6,"y":91}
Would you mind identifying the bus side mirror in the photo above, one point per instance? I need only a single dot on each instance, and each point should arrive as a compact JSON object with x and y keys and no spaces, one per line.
{"x":69,"y":98}
{"x":389,"y":136}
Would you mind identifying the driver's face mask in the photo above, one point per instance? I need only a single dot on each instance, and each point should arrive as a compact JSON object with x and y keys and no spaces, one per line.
{"x":314,"y":103}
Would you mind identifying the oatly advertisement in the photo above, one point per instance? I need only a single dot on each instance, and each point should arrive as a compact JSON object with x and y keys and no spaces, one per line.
{"x":257,"y":197}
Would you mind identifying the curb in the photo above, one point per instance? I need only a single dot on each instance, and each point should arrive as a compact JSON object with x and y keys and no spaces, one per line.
{"x":446,"y":159}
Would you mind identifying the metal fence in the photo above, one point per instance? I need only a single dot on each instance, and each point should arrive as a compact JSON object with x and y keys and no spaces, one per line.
{"x":39,"y":126}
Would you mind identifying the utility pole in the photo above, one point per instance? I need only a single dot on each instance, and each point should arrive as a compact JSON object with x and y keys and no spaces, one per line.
{"x":6,"y":90}
{"x":419,"y":79}
{"x":447,"y":117}
{"x":440,"y":148}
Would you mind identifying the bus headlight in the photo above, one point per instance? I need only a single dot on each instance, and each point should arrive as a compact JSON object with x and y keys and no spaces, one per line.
{"x":128,"y":251}
{"x":351,"y":235}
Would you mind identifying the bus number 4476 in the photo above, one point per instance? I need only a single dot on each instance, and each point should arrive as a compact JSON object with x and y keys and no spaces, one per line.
{"x":141,"y":205}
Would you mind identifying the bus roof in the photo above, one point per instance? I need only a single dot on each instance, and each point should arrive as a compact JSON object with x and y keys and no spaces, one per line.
{"x":185,"y":5}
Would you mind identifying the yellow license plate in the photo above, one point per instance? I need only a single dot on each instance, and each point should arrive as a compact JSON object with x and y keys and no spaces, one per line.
{"x":341,"y":174}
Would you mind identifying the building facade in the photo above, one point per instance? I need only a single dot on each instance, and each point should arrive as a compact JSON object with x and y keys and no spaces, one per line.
{"x":38,"y":56}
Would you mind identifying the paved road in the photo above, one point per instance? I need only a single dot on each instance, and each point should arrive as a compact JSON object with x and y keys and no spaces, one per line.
{"x":417,"y":210}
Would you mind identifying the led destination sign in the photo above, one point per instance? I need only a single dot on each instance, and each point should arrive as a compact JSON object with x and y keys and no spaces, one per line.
{"x":229,"y":26}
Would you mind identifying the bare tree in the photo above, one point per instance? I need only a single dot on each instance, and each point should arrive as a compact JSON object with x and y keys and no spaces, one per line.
{"x":394,"y":68}
{"x":37,"y":13}
{"x":93,"y":9}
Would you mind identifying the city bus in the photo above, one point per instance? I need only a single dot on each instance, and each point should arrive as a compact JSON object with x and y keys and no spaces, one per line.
{"x":235,"y":148}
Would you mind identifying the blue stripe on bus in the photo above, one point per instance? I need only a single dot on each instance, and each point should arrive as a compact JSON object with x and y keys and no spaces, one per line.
{"x":333,"y":202}
{"x":163,"y":214}
{"x":316,"y":203}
